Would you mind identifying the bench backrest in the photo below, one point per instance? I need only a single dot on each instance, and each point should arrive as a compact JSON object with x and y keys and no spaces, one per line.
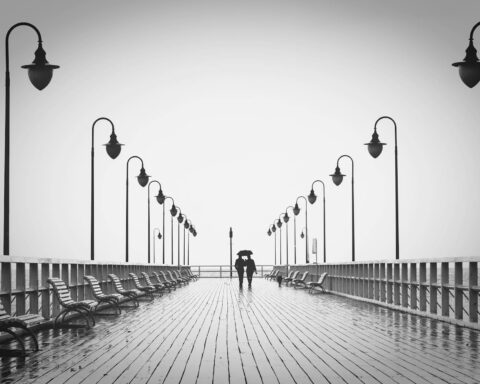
{"x":322,"y":277}
{"x":116,"y":281}
{"x":135,"y":279}
{"x":3,"y":314}
{"x":94,"y":284}
{"x":304,"y":275}
{"x":147,"y":278}
{"x":290,"y":274}
{"x":61,"y":291}
{"x":171,"y":276}
{"x":295,"y":274}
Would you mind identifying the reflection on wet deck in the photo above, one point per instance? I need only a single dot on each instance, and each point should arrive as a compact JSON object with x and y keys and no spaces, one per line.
{"x":210,"y":332}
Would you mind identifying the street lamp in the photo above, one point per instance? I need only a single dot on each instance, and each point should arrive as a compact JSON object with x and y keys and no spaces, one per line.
{"x":375,"y":148}
{"x":173,"y":212}
{"x":297,"y":211}
{"x":40,"y":73}
{"x":273,"y":229}
{"x":159,"y":236}
{"x":159,"y":197}
{"x":469,"y":68}
{"x":179,"y":221}
{"x":302,"y":234}
{"x":337,"y":178}
{"x":185,"y":222}
{"x":312,"y":198}
{"x":142,"y":179}
{"x":294,"y":232}
{"x":189,"y":228}
{"x":279,"y":226}
{"x":286,"y":218}
{"x":113,"y":148}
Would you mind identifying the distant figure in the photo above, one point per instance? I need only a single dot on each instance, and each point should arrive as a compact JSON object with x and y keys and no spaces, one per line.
{"x":250,"y":269}
{"x":239,"y":266}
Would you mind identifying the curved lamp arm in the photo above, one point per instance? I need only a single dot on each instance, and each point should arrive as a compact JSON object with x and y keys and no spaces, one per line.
{"x":473,"y":30}
{"x":100,"y":119}
{"x":169,"y":197}
{"x":338,"y":160}
{"x":151,"y":182}
{"x":394,"y":124}
{"x":134,"y":157}
{"x":7,"y":55}
{"x":323,"y":186}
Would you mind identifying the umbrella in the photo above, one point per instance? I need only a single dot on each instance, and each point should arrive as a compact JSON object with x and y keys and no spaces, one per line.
{"x":245,"y":252}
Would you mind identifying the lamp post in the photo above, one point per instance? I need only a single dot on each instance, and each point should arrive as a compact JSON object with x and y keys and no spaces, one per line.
{"x":160,"y":199}
{"x":469,"y":68}
{"x":375,"y":148}
{"x":230,"y":236}
{"x":297,"y":211}
{"x":294,"y":234}
{"x":337,"y":179}
{"x":179,"y":221}
{"x":185,"y":220}
{"x":159,"y":236}
{"x":188,"y":227}
{"x":40,"y":73}
{"x":286,"y":218}
{"x":113,"y":148}
{"x":312,"y":197}
{"x":279,"y":226}
{"x":142,"y":179}
{"x":273,"y":229}
{"x":193,"y":231}
{"x":173,"y":212}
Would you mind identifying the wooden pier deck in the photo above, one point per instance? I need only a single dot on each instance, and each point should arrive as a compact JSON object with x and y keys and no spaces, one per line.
{"x":210,"y":332}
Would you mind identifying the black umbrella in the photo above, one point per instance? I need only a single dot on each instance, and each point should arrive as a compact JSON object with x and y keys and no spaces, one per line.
{"x":245,"y":252}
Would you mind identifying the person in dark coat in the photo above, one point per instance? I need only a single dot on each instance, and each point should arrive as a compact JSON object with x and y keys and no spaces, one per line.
{"x":239,"y":266}
{"x":251,"y":267}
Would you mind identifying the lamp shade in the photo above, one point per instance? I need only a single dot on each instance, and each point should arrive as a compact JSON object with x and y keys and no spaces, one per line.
{"x":469,"y":68}
{"x":113,"y":147}
{"x":337,"y":177}
{"x":274,"y":229}
{"x":279,"y":223}
{"x":269,"y":233}
{"x":187,"y":225}
{"x":312,"y":197}
{"x":173,"y":210}
{"x":302,"y":235}
{"x":159,"y":236}
{"x":180,"y":218}
{"x":296,"y":209}
{"x":375,"y":147}
{"x":40,"y":72}
{"x":160,"y":197}
{"x":143,"y":177}
{"x":286,"y":218}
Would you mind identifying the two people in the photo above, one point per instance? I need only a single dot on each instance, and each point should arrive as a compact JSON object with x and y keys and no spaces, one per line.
{"x":240,"y":264}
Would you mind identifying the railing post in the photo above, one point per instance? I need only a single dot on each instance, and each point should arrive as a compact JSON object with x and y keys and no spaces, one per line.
{"x":405,"y":285}
{"x":6,"y":286}
{"x":370,"y":281}
{"x":472,"y":293}
{"x":389,"y":283}
{"x":396,"y":282}
{"x":458,"y":291}
{"x":74,"y":281}
{"x":376,"y":282}
{"x":20,"y":288}
{"x":220,"y":271}
{"x":433,"y":288}
{"x":445,"y":291}
{"x":45,"y":290}
{"x":413,"y":285}
{"x":382,"y":282}
{"x":56,"y":304}
{"x":33,"y":287}
{"x":423,"y":287}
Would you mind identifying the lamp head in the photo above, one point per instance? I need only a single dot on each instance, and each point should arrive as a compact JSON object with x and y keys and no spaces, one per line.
{"x":173,"y":210}
{"x":187,"y":225}
{"x":143,"y":177}
{"x":269,"y":233}
{"x":113,"y":147}
{"x":180,"y":218}
{"x":274,"y":229}
{"x":312,"y":197}
{"x":302,"y":235}
{"x":159,"y":235}
{"x":194,"y":232}
{"x":279,"y":223}
{"x":40,"y":72}
{"x":469,"y":68}
{"x":160,"y":197}
{"x":296,"y":209}
{"x":375,"y":147}
{"x":286,"y":218}
{"x":337,"y":177}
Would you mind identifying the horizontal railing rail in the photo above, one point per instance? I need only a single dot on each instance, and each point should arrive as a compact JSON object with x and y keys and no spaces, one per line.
{"x":444,"y":289}
{"x":223,"y":271}
{"x":24,"y":288}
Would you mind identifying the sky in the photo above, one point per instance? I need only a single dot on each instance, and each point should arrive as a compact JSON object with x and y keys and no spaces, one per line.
{"x":235,"y":108}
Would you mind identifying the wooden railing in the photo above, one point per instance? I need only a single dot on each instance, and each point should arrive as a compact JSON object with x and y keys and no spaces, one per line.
{"x":444,"y":289}
{"x":223,"y":271}
{"x":24,"y":290}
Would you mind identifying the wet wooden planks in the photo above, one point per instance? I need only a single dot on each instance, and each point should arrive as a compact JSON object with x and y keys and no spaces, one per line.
{"x":211,"y":332}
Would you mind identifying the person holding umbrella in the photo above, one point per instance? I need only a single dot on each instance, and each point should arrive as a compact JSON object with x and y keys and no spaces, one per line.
{"x":239,"y":266}
{"x":250,"y":264}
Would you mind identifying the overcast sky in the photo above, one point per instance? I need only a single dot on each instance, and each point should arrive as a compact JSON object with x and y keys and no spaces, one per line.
{"x":236,"y":107}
